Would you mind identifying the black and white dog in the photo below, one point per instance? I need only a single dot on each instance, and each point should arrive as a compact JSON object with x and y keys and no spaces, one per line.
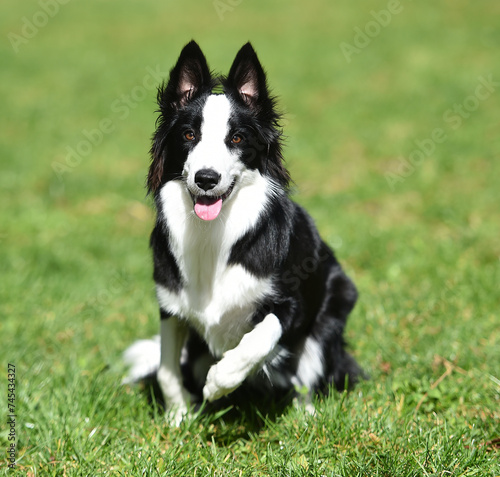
{"x":249,"y":294}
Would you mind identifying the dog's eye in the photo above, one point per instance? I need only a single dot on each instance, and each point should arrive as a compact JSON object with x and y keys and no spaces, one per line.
{"x":189,"y":135}
{"x":236,"y":139}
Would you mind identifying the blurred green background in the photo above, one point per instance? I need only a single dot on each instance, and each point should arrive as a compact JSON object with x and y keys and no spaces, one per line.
{"x":391,"y":112}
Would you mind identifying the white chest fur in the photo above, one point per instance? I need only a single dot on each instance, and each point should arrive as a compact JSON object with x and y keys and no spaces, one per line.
{"x":216,"y":298}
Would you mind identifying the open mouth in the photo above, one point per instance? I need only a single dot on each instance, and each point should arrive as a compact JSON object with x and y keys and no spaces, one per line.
{"x":208,"y":207}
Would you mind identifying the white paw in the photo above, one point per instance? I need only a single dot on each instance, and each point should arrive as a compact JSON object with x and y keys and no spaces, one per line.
{"x":175,"y":396}
{"x":176,"y":414}
{"x":304,"y":403}
{"x":222,"y":379}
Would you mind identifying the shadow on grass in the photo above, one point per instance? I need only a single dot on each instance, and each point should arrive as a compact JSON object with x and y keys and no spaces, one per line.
{"x":244,"y":412}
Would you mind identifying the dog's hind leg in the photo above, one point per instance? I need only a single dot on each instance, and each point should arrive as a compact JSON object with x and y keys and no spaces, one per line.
{"x":173,"y":336}
{"x":341,"y":368}
{"x":238,"y":363}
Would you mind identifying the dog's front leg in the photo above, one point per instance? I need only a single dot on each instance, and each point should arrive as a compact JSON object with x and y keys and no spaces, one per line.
{"x":173,"y":336}
{"x":238,"y":363}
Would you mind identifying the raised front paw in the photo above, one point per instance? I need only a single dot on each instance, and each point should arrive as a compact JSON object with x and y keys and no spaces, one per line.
{"x":222,"y":379}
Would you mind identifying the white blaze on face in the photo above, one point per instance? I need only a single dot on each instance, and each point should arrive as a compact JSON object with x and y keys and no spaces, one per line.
{"x":215,"y":123}
{"x":212,"y":152}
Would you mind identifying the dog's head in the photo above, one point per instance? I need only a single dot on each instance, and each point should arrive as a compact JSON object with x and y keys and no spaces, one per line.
{"x":215,"y":143}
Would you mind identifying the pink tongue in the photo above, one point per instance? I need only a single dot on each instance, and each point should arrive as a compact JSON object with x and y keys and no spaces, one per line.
{"x":207,"y":210}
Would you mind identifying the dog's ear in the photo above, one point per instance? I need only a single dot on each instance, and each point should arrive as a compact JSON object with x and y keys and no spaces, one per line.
{"x":190,"y":75}
{"x":248,"y":78}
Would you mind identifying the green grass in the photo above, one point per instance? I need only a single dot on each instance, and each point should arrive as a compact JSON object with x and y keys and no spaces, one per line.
{"x":76,"y":286}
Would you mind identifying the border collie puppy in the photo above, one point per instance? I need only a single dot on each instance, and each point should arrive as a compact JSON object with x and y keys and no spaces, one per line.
{"x":249,"y":294}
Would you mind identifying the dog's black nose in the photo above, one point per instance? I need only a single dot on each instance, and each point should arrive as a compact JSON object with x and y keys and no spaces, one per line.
{"x":207,"y":179}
